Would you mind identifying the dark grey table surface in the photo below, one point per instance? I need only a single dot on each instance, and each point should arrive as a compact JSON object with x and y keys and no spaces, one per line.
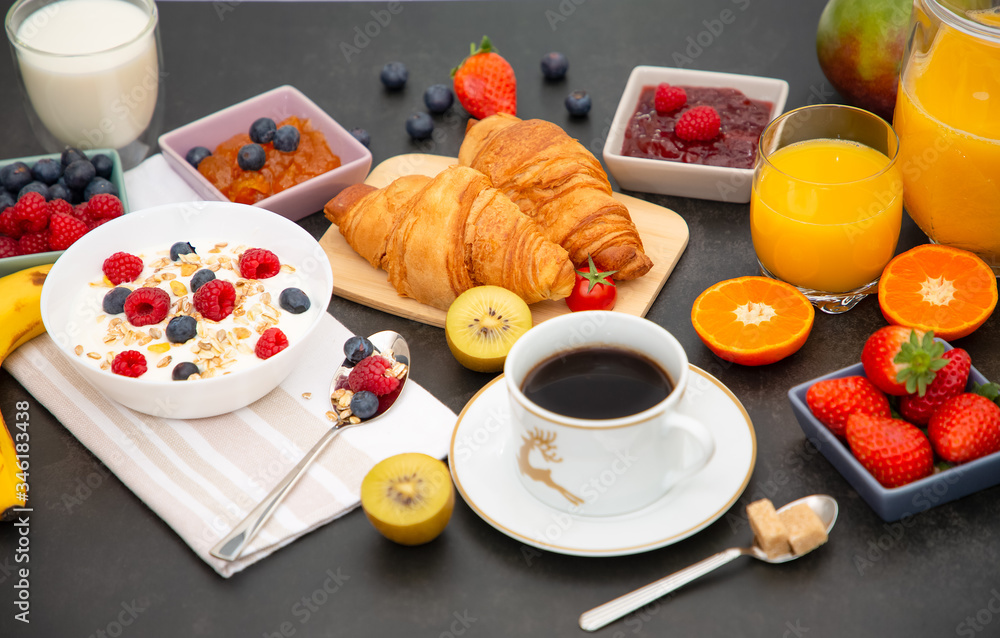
{"x":106,"y":565}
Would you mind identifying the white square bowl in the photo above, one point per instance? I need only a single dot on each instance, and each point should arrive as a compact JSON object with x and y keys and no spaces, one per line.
{"x":667,"y":177}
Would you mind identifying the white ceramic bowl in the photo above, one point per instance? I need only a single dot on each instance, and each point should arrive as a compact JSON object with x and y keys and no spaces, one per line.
{"x":677,"y":178}
{"x":235,"y":223}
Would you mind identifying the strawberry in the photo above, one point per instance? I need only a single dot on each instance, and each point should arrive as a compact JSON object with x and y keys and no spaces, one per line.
{"x":965,"y":427}
{"x":893,"y":451}
{"x":949,"y":381}
{"x":485,"y":83}
{"x":901,"y":360}
{"x":833,"y":400}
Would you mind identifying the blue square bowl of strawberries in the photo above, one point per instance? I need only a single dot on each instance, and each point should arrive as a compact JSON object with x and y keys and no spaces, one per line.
{"x":911,"y":427}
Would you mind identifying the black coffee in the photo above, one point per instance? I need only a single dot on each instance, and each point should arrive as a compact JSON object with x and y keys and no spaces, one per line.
{"x":597,"y":383}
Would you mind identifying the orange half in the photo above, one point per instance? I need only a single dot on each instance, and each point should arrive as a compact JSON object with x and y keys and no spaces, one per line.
{"x":940,"y":288}
{"x":752,"y":320}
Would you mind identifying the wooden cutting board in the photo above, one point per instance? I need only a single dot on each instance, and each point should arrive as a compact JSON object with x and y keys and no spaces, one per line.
{"x":664,"y":236}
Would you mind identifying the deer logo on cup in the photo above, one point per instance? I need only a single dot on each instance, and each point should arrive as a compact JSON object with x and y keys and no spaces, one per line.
{"x":544,"y":443}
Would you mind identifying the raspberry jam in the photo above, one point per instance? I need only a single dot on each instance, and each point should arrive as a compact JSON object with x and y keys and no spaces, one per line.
{"x":651,"y":135}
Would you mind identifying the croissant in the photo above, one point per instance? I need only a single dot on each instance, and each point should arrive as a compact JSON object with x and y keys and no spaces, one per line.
{"x":561,"y":185}
{"x":438,"y":237}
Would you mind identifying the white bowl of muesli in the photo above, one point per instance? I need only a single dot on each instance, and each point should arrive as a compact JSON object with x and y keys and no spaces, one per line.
{"x":188,"y":310}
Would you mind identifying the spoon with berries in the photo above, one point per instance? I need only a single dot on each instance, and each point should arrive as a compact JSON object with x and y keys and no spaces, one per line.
{"x":363,"y":389}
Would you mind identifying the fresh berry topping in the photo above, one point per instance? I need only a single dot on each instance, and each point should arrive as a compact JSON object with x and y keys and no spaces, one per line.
{"x":98,"y":186}
{"x":61,"y":206}
{"x":145,"y":306}
{"x":64,"y":230}
{"x":394,"y":75}
{"x":114,"y":302}
{"x":200,"y":278}
{"x":183,"y":370}
{"x":362,"y":136}
{"x":15,"y":176}
{"x":438,"y":98}
{"x":262,"y":130}
{"x":130,"y":363}
{"x":70,"y":155}
{"x":8,"y":247}
{"x":485,"y":83}
{"x":9,"y":224}
{"x":965,"y":427}
{"x":554,"y":66}
{"x":196,"y":154}
{"x":948,"y":382}
{"x":893,"y":451}
{"x":79,"y":174}
{"x":270,"y":343}
{"x":356,"y":349}
{"x":181,"y":329}
{"x":832,"y":401}
{"x":578,"y":103}
{"x":259,"y":263}
{"x":215,"y":300}
{"x":32,"y":243}
{"x":31,"y":213}
{"x":294,"y":300}
{"x":669,"y":98}
{"x":902,"y":360}
{"x":103,"y":165}
{"x":700,"y":123}
{"x":47,"y":170}
{"x":419,"y":126}
{"x":371,"y":373}
{"x":181,"y":248}
{"x":104,"y":206}
{"x":364,"y":404}
{"x":122,"y":267}
{"x":286,"y":139}
{"x":251,"y":157}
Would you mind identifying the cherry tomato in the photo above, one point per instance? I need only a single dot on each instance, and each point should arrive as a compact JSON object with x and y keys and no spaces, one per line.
{"x":594,"y":290}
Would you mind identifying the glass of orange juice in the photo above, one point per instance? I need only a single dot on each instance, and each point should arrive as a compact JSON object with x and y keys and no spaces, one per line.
{"x":827,"y":202}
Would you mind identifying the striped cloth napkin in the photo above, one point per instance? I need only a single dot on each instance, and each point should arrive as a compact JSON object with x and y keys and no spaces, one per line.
{"x":202,"y":476}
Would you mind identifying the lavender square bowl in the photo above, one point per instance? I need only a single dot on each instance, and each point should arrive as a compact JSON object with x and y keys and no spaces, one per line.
{"x":293,"y":203}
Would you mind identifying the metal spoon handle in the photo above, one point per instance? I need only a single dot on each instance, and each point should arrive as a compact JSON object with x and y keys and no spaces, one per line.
{"x":613,"y":610}
{"x":232,"y":546}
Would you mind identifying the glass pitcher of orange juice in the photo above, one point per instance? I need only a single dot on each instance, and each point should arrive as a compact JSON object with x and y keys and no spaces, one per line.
{"x":948,"y":121}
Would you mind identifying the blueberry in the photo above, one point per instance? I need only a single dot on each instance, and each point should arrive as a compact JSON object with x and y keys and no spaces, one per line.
{"x":362,"y":136}
{"x":578,"y":103}
{"x":34,"y":187}
{"x":294,"y":301}
{"x":47,"y":171}
{"x":114,"y":301}
{"x":394,"y":75}
{"x":103,"y":165}
{"x":15,"y":176}
{"x":98,"y":186}
{"x":438,"y":98}
{"x":183,"y":370}
{"x":60,"y":191}
{"x":200,"y":278}
{"x":251,"y":157}
{"x":262,"y":130}
{"x":419,"y":126}
{"x":286,"y":139}
{"x":196,"y":154}
{"x":364,"y":404}
{"x":554,"y":66}
{"x":181,"y":248}
{"x":181,"y":329}
{"x":6,"y":200}
{"x":79,"y":173}
{"x":71,"y":155}
{"x":356,"y":349}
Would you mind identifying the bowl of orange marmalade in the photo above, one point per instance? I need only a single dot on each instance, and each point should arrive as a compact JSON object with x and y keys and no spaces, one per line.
{"x":293,"y":184}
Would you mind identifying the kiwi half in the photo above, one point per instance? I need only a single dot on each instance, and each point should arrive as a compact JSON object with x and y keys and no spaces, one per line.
{"x":482,"y":325}
{"x":408,"y":497}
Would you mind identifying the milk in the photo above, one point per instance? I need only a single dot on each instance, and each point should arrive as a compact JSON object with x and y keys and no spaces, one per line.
{"x":91,"y":70}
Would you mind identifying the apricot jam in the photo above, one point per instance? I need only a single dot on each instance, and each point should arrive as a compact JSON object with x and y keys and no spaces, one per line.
{"x":281,"y":170}
{"x":651,"y":135}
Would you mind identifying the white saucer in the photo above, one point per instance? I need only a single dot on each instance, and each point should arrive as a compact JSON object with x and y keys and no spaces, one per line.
{"x":483,"y":468}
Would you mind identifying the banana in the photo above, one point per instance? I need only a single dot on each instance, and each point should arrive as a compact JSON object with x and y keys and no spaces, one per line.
{"x":20,"y":321}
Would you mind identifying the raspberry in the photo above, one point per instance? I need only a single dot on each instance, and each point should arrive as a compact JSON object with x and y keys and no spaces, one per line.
{"x":65,"y":230}
{"x":215,"y":299}
{"x":94,"y":223}
{"x":270,"y":343}
{"x":61,"y":206}
{"x":129,"y":363}
{"x":31,"y":212}
{"x":698,"y":124}
{"x":370,"y":374}
{"x":122,"y":267}
{"x":8,"y":223}
{"x":31,"y":243}
{"x":146,"y":306}
{"x":259,"y":263}
{"x":669,"y":98}
{"x":9,"y":247}
{"x":104,"y":206}
{"x":80,"y":212}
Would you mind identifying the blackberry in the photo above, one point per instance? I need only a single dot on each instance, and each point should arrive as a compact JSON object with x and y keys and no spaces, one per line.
{"x":251,"y":157}
{"x":364,"y":404}
{"x":286,"y":139}
{"x":419,"y":126}
{"x":15,"y":176}
{"x":99,"y":186}
{"x":103,"y":165}
{"x":196,"y":154}
{"x":262,"y":130}
{"x":79,"y":173}
{"x":554,"y":66}
{"x":181,"y":329}
{"x":362,"y":136}
{"x":114,"y":301}
{"x":438,"y":98}
{"x":578,"y":103}
{"x":181,"y":248}
{"x":200,"y":278}
{"x":394,"y":75}
{"x":183,"y":370}
{"x":71,"y":155}
{"x":357,"y":349}
{"x":34,"y":187}
{"x":47,"y":171}
{"x":294,"y":301}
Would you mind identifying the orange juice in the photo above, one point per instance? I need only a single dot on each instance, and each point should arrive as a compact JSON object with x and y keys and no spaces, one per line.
{"x":948,"y":120}
{"x":825,"y":214}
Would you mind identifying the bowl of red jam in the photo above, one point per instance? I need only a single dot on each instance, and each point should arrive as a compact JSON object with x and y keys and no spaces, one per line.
{"x":293,"y":184}
{"x":644,"y":153}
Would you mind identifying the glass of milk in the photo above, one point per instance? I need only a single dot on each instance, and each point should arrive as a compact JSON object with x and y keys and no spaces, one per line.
{"x":90,"y":72}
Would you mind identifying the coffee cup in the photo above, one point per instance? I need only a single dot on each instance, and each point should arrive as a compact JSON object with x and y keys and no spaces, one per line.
{"x":595,"y":419}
